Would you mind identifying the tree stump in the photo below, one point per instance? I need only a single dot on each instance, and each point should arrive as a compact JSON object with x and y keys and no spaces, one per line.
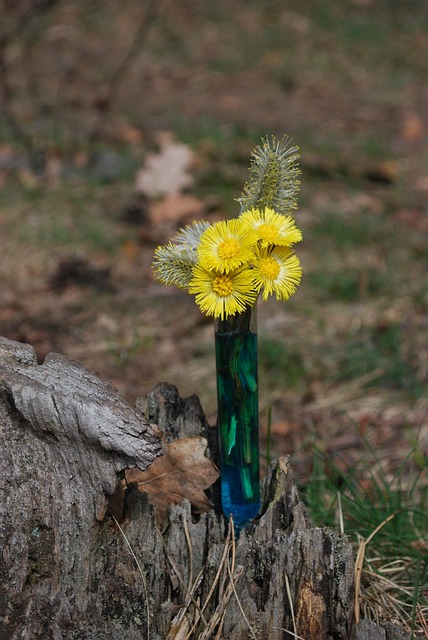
{"x":70,"y":570}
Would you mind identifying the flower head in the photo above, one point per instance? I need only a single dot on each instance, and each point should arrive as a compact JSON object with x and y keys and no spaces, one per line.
{"x":226,"y":245}
{"x":222,"y":294}
{"x":273,"y":180}
{"x":276,"y":271}
{"x":173,"y":265}
{"x":271,"y":227}
{"x":227,"y":264}
{"x":173,"y":262}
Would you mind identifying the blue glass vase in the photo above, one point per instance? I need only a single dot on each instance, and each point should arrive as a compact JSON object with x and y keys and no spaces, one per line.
{"x":238,"y":415}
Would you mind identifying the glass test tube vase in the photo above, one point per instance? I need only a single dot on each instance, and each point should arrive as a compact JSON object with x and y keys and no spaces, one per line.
{"x":238,"y":415}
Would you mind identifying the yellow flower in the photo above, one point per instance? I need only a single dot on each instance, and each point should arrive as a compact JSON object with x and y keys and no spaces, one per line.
{"x":226,"y":245}
{"x":222,"y":294}
{"x":271,"y":228}
{"x":276,"y":271}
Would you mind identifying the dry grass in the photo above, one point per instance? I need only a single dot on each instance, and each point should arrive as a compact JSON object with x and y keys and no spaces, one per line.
{"x":388,"y":596}
{"x":384,"y":513}
{"x":190,"y":622}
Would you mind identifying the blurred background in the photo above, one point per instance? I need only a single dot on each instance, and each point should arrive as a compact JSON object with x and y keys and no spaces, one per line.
{"x":122,"y":121}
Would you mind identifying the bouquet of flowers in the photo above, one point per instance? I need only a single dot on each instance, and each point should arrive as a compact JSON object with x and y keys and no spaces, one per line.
{"x":227,"y":266}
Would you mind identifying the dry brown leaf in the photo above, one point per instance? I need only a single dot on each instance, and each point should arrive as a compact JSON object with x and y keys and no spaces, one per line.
{"x":129,"y":134}
{"x":176,"y":207}
{"x":182,"y":472}
{"x":412,"y":127}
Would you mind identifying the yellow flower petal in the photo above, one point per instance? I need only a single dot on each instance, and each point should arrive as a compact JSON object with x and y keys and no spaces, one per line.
{"x":222,"y":294}
{"x":226,"y":245}
{"x":271,"y":227}
{"x":276,"y":271}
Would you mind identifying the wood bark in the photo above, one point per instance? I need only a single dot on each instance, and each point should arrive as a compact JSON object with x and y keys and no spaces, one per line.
{"x":69,"y":570}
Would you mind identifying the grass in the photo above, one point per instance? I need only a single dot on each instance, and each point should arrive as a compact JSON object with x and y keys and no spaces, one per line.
{"x":348,"y":285}
{"x":280,"y":364}
{"x":223,"y":154}
{"x":387,"y":348}
{"x":72,"y":214}
{"x":346,"y":233}
{"x":363,"y":499}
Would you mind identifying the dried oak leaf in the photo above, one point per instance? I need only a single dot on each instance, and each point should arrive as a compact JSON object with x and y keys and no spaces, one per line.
{"x":182,"y":472}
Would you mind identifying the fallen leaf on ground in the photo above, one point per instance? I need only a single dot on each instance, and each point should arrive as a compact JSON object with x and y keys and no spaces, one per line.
{"x":167,"y":171}
{"x":412,"y":127}
{"x":176,"y":207}
{"x":182,"y":472}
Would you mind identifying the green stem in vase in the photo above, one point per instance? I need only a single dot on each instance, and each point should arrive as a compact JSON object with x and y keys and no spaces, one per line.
{"x":237,"y":396}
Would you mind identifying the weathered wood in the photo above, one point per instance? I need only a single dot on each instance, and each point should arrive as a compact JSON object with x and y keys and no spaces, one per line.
{"x":68,"y":571}
{"x":64,"y":436}
{"x":368,"y":630}
{"x":64,"y":401}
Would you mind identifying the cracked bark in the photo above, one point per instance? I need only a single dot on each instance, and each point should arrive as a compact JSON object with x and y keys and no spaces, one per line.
{"x":66,"y":570}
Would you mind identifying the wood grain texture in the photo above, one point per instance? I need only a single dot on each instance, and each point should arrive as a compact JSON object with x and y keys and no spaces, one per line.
{"x":64,"y":436}
{"x":66,"y":568}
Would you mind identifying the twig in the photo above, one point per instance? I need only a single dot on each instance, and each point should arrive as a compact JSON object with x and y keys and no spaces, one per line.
{"x":290,"y":602}
{"x":177,"y":630}
{"x":218,"y":614}
{"x":215,"y":582}
{"x":219,"y":571}
{"x":189,"y":545}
